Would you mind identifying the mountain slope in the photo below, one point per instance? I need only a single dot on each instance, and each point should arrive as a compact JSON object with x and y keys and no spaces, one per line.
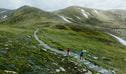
{"x":85,"y":14}
{"x":30,"y":15}
{"x":73,"y":27}
{"x":20,"y":53}
{"x":111,"y":21}
{"x":4,"y":14}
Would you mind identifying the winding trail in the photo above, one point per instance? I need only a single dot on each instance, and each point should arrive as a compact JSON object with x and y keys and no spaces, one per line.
{"x":89,"y":64}
{"x":45,"y":45}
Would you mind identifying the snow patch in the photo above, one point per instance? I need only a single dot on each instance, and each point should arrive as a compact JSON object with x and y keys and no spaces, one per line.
{"x":65,"y":19}
{"x":69,"y":18}
{"x":96,"y":11}
{"x":84,"y":13}
{"x":122,"y":41}
{"x":2,"y":12}
{"x":88,"y":13}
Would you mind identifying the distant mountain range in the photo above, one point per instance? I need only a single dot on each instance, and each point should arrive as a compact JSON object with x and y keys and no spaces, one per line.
{"x":74,"y":14}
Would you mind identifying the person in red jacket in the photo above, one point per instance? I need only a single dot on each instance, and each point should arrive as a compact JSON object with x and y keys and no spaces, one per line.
{"x":68,"y":52}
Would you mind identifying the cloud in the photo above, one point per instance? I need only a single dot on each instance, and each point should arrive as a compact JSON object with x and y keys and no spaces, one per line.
{"x":59,"y":4}
{"x":12,"y":4}
{"x":18,"y":3}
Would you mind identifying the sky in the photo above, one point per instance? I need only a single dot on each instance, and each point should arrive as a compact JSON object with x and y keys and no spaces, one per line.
{"x":51,"y":5}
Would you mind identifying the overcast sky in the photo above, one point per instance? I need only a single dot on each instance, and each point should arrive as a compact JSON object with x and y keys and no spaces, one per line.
{"x":59,"y":4}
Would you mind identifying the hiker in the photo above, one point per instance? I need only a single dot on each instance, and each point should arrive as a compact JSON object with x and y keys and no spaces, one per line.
{"x":81,"y":54}
{"x":68,"y":52}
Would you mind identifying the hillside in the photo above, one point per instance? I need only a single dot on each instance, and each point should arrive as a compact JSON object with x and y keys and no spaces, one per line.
{"x":73,"y":27}
{"x":113,"y":20}
{"x":29,"y":15}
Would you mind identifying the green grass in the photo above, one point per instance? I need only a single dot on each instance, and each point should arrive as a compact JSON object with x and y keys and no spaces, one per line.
{"x":20,"y":52}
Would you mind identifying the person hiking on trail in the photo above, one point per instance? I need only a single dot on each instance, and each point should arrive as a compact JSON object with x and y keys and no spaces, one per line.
{"x":68,"y":51}
{"x":81,"y":54}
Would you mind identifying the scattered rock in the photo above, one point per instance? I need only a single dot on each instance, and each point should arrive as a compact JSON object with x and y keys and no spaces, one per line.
{"x":92,"y":66}
{"x":68,"y":67}
{"x":5,"y":16}
{"x":55,"y":63}
{"x":86,"y":62}
{"x":3,"y":51}
{"x":89,"y":72}
{"x":6,"y":48}
{"x":76,"y":63}
{"x":113,"y":72}
{"x":62,"y":69}
{"x":76,"y":57}
{"x":45,"y":49}
{"x":62,"y":60}
{"x":57,"y":70}
{"x":103,"y":71}
{"x":75,"y":67}
{"x":84,"y":70}
{"x":10,"y":72}
{"x":94,"y":57}
{"x":84,"y":50}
